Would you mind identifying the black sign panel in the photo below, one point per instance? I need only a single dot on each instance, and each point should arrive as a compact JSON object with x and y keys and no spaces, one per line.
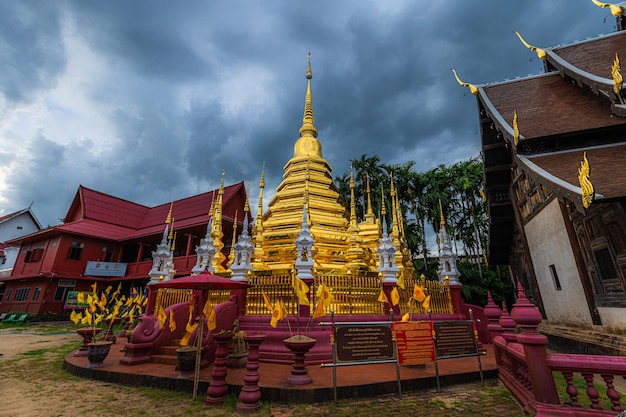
{"x":455,"y":338}
{"x":364,"y":343}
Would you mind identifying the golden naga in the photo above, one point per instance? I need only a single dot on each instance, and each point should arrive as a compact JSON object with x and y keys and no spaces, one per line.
{"x":617,"y":76}
{"x":515,"y":128}
{"x":473,"y":89}
{"x":586,"y":188}
{"x":540,"y":52}
{"x":616,"y":10}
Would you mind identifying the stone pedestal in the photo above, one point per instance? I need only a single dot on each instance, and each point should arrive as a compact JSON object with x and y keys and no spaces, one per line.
{"x":299,"y":345}
{"x":218,"y":388}
{"x":250,"y":395}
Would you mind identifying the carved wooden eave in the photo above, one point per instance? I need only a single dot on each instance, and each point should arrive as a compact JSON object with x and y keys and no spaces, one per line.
{"x":562,"y":189}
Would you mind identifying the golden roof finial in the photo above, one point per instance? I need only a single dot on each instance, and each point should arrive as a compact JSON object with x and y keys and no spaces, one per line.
{"x":168,"y":219}
{"x":308,"y":121}
{"x":617,"y":75}
{"x":383,"y":211}
{"x":370,"y":212}
{"x":515,"y":128}
{"x":473,"y":89}
{"x":616,"y":10}
{"x":540,"y":52}
{"x":586,"y":187}
{"x":171,"y":234}
{"x":173,"y":239}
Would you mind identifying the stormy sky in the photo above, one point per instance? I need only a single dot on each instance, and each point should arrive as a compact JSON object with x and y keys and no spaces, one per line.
{"x":150,"y":100}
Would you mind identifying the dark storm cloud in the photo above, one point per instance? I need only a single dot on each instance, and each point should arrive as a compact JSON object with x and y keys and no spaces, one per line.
{"x":31,"y":49}
{"x":160,"y":97}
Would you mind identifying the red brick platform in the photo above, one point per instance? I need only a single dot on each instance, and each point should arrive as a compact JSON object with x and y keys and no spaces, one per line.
{"x":352,"y":381}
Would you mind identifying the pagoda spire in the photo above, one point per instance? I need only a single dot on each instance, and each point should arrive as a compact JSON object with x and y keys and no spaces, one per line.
{"x":241,"y":264}
{"x":162,"y":257}
{"x":369,"y":215}
{"x":353,"y":222}
{"x":308,"y":145}
{"x":258,"y":227}
{"x":386,"y":251}
{"x":218,"y":233}
{"x":231,"y":255}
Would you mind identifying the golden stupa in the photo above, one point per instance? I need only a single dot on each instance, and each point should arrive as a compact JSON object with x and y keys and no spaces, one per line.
{"x":341,"y":243}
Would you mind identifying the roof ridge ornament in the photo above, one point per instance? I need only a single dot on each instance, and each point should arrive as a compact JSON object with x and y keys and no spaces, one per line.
{"x":586,"y":188}
{"x":515,"y":128}
{"x":473,"y":89}
{"x":616,"y":10}
{"x":541,"y":54}
{"x":617,"y":75}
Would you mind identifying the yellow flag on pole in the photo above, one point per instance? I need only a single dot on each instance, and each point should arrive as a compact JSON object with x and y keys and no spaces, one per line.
{"x":212,"y":324}
{"x":395,"y":296}
{"x":383,"y":297}
{"x":426,"y":303}
{"x":401,"y":281}
{"x":275,"y":317}
{"x":172,"y":321}
{"x":418,"y":293}
{"x":324,"y":293}
{"x":162,"y":317}
{"x":301,"y":289}
{"x":319,"y":308}
{"x":206,"y":310}
{"x":268,"y":305}
{"x":74,"y":317}
{"x":405,"y":317}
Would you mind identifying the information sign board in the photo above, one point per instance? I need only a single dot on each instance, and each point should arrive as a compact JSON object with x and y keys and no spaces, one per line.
{"x":455,"y":338}
{"x":359,"y":343}
{"x":415,"y":342}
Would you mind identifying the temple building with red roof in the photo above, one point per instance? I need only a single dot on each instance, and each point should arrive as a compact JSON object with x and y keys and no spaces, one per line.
{"x":107,"y":239}
{"x":554,"y":147}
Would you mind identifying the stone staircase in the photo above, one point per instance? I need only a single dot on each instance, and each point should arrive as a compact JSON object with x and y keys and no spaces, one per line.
{"x":167,"y":354}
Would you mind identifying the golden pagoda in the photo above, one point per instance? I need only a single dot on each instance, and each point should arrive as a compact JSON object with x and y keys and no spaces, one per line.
{"x":341,"y":244}
{"x":327,"y":215}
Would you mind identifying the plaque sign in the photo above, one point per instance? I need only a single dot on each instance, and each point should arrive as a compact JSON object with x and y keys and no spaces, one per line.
{"x":361,"y":343}
{"x":455,"y":338}
{"x":415,"y":342}
{"x":105,"y":269}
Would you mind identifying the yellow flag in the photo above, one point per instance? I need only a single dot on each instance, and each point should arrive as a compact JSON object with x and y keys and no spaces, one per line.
{"x":426,"y":303}
{"x":185,"y":340}
{"x":162,"y":317}
{"x":103,"y":302}
{"x":324,"y":293}
{"x":275,"y":317}
{"x":117,"y":291}
{"x":131,"y":317}
{"x":282,"y":309}
{"x":190,"y":320}
{"x":212,"y":324}
{"x":98,"y":319}
{"x":172,"y":321}
{"x":405,"y":317}
{"x":319,"y":308}
{"x":108,"y":290}
{"x":88,"y":318}
{"x":206,"y":310}
{"x":268,"y":305}
{"x":401,"y":281}
{"x":74,"y":317}
{"x":145,"y":301}
{"x":395,"y":296}
{"x":80,"y":298}
{"x":301,"y":289}
{"x":383,"y":297}
{"x":94,"y":286}
{"x":418,"y":293}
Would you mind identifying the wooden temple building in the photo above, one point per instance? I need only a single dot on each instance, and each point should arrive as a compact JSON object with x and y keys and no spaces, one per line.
{"x":554,"y":147}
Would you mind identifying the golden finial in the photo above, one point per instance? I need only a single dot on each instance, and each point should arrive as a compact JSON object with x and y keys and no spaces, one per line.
{"x":442,"y":222}
{"x":473,"y":89}
{"x":586,"y":188}
{"x":515,"y":128}
{"x":308,"y":121}
{"x":540,"y":52}
{"x":168,"y":219}
{"x":173,"y":238}
{"x":262,"y":182}
{"x":384,"y":209}
{"x":617,"y":76}
{"x":616,"y":10}
{"x":370,"y":213}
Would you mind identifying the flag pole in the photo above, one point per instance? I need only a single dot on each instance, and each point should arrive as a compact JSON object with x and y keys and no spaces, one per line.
{"x":198,"y":356}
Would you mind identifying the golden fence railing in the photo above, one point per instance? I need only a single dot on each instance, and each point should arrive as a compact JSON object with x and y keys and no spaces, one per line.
{"x":166,"y":297}
{"x":440,"y":298}
{"x":352,"y":294}
{"x":276,"y":287}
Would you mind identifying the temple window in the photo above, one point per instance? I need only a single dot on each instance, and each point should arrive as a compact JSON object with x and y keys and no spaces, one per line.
{"x":555,"y":277}
{"x":76,"y":250}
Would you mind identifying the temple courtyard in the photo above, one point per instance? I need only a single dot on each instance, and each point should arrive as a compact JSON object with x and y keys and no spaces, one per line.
{"x":33,"y":381}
